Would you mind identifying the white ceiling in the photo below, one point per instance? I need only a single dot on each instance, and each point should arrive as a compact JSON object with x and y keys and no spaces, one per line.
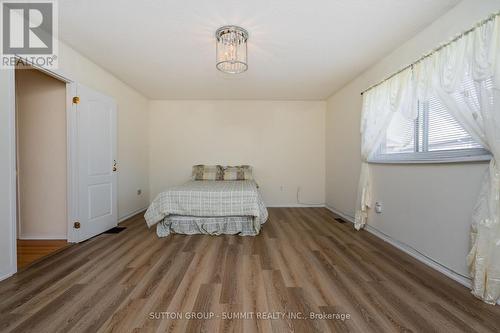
{"x":297,"y":49}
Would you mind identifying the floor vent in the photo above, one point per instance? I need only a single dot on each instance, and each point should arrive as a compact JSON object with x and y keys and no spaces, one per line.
{"x":115,"y":230}
{"x":339,"y":220}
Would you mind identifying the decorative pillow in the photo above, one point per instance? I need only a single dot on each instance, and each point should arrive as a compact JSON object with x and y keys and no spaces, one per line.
{"x":207,"y":172}
{"x":241,"y":172}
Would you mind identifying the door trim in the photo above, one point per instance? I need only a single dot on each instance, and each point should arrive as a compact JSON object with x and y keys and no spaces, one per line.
{"x":72,"y":162}
{"x":13,"y":177}
{"x":72,"y":186}
{"x":55,"y":73}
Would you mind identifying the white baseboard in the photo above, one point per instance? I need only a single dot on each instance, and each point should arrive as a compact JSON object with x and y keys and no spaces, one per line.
{"x":294,"y":205}
{"x":420,"y":257}
{"x":135,"y":212}
{"x":6,"y":276}
{"x":410,"y":251}
{"x":43,"y":237}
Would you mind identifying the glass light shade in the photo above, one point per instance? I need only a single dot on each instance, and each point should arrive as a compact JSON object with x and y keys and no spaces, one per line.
{"x":231,"y":49}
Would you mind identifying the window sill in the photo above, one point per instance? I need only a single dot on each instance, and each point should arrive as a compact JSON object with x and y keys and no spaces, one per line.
{"x":429,"y":159}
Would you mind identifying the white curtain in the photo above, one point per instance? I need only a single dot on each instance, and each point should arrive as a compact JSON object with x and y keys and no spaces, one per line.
{"x":465,"y":75}
{"x":467,"y":80}
{"x":379,"y":107}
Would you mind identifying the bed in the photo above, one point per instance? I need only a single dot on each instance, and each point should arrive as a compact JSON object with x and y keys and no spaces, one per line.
{"x":210,"y":207}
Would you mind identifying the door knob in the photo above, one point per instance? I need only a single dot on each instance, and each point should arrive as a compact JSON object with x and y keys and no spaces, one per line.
{"x":114,"y":166}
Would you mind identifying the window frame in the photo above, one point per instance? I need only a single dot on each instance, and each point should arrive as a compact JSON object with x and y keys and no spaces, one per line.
{"x":446,"y":156}
{"x":421,"y":155}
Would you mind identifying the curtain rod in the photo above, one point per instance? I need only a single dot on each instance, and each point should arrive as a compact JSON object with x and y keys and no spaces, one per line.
{"x":477,"y":25}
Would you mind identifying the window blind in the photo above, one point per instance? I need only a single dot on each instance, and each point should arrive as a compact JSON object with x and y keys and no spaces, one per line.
{"x":435,"y":135}
{"x":444,"y":132}
{"x":400,"y":137}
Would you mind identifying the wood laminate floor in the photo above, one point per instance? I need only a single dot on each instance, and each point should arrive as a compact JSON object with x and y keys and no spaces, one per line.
{"x":304,"y":262}
{"x":32,"y":250}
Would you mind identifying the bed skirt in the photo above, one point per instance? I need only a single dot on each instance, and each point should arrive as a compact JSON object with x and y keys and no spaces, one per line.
{"x":192,"y":225}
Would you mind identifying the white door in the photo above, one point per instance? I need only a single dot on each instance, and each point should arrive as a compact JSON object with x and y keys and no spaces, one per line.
{"x":97,"y":167}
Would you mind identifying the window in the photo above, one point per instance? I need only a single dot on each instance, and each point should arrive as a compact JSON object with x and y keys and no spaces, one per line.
{"x":435,"y":136}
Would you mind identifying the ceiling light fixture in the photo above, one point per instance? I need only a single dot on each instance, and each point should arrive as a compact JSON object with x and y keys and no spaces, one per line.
{"x":231,"y":49}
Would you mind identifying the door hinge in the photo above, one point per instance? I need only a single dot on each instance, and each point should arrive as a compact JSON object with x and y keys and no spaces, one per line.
{"x":76,"y":100}
{"x":76,"y":225}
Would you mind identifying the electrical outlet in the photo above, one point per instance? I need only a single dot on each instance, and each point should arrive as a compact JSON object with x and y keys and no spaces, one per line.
{"x":139,"y":191}
{"x":378,"y":207}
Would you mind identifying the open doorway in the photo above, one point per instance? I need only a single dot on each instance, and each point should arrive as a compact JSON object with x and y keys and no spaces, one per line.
{"x":41,"y":164}
{"x":90,"y":170}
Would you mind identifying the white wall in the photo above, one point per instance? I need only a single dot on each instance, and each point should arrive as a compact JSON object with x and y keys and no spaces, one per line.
{"x":41,"y":155}
{"x":283,"y":141}
{"x":425,"y":206}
